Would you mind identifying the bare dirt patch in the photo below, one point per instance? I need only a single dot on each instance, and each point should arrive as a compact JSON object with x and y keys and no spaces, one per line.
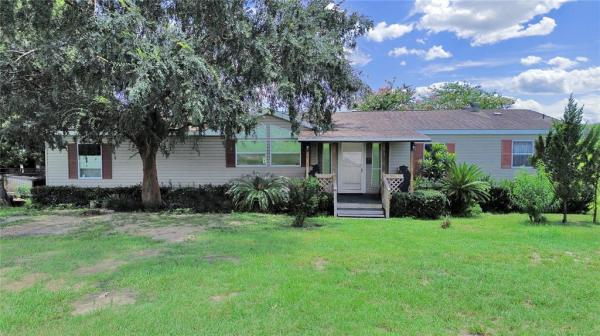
{"x":223,"y":297}
{"x":25,"y":282}
{"x":106,"y":265}
{"x":47,"y":225}
{"x":56,"y":285}
{"x":212,"y":258}
{"x":97,"y":301}
{"x":170,"y":234}
{"x":535,"y":258}
{"x":320,"y":264}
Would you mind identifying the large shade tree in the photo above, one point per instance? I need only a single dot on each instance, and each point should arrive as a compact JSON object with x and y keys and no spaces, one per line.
{"x":150,"y":72}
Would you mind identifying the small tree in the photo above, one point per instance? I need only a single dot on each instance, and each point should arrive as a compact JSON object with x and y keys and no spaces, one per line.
{"x":563,"y":154}
{"x":436,"y":162}
{"x":533,"y":193}
{"x":304,"y":199}
{"x":591,"y":165}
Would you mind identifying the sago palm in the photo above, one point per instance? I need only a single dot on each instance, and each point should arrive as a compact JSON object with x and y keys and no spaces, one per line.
{"x":464,"y":185}
{"x":259,"y":192}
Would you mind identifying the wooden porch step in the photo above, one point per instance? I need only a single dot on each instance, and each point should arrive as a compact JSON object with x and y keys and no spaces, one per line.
{"x":361,"y":212}
{"x":360,"y":205}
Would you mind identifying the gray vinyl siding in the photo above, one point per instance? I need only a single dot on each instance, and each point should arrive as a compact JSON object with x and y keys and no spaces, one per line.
{"x":399,"y":156}
{"x":483,"y":150}
{"x":185,"y":166}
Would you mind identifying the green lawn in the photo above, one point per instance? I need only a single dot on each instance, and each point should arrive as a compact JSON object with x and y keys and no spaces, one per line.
{"x":250,"y":274}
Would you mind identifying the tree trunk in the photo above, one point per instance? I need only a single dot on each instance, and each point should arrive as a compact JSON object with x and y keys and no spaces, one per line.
{"x":565,"y":209}
{"x":151,"y":198}
{"x":4,"y":200}
{"x":595,"y":203}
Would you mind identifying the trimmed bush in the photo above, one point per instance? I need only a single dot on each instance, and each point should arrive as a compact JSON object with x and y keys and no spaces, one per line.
{"x":500,"y":200}
{"x":428,"y":204}
{"x":121,"y":203}
{"x":206,"y":198}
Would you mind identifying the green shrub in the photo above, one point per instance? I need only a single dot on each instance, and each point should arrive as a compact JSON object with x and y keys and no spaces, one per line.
{"x":429,"y":204}
{"x":500,"y":200}
{"x":259,"y":192}
{"x":121,"y":202}
{"x":23,"y":191}
{"x":533,"y":193}
{"x":325,"y":203}
{"x":464,"y":186}
{"x":207,"y":198}
{"x":304,"y":199}
{"x":423,"y":183}
{"x":436,"y":162}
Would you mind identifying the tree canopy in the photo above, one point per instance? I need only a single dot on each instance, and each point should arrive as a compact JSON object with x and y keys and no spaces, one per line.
{"x":149,"y":72}
{"x":448,"y":96}
{"x":388,"y":98}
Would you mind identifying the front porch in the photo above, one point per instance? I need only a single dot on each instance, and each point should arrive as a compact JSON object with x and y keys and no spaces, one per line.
{"x":362,"y":176}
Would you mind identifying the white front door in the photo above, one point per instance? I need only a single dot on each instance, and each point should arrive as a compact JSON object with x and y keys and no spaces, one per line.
{"x":351,"y":168}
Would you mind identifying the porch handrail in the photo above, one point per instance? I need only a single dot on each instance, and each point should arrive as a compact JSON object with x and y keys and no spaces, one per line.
{"x":390,"y":184}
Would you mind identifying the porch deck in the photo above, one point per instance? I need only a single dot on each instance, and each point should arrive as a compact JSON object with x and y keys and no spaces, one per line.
{"x":359,"y":198}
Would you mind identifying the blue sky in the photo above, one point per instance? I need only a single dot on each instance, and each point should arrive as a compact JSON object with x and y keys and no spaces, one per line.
{"x":536,"y":51}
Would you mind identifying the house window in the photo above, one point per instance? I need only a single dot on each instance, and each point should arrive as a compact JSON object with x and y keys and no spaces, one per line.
{"x":326,"y":169}
{"x":522,"y":151}
{"x":285,"y":150}
{"x":251,"y":152}
{"x":251,"y":149}
{"x":375,"y":166}
{"x":268,"y":145}
{"x":90,"y":161}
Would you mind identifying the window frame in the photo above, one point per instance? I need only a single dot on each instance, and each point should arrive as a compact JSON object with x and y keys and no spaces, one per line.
{"x":512,"y":153}
{"x":270,"y":150}
{"x":79,"y":168}
{"x":266,"y":153}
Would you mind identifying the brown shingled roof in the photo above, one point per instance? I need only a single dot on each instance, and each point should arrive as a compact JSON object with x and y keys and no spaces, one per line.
{"x":410,"y":125}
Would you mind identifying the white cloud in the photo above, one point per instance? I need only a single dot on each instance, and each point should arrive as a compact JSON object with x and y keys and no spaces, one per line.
{"x":357,"y":57}
{"x":330,"y":6}
{"x":562,"y":62}
{"x":403,"y":63}
{"x":382,"y":31}
{"x":437,"y":52}
{"x":591,"y":107}
{"x":401,"y":51}
{"x":528,"y":104}
{"x":429,"y":55}
{"x":487,"y":22}
{"x":420,"y":41}
{"x":438,"y":68}
{"x":531,"y":60}
{"x":557,"y":80}
{"x":581,"y":59}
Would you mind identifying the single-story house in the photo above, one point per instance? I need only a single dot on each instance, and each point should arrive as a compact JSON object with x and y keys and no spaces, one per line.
{"x":360,"y":156}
